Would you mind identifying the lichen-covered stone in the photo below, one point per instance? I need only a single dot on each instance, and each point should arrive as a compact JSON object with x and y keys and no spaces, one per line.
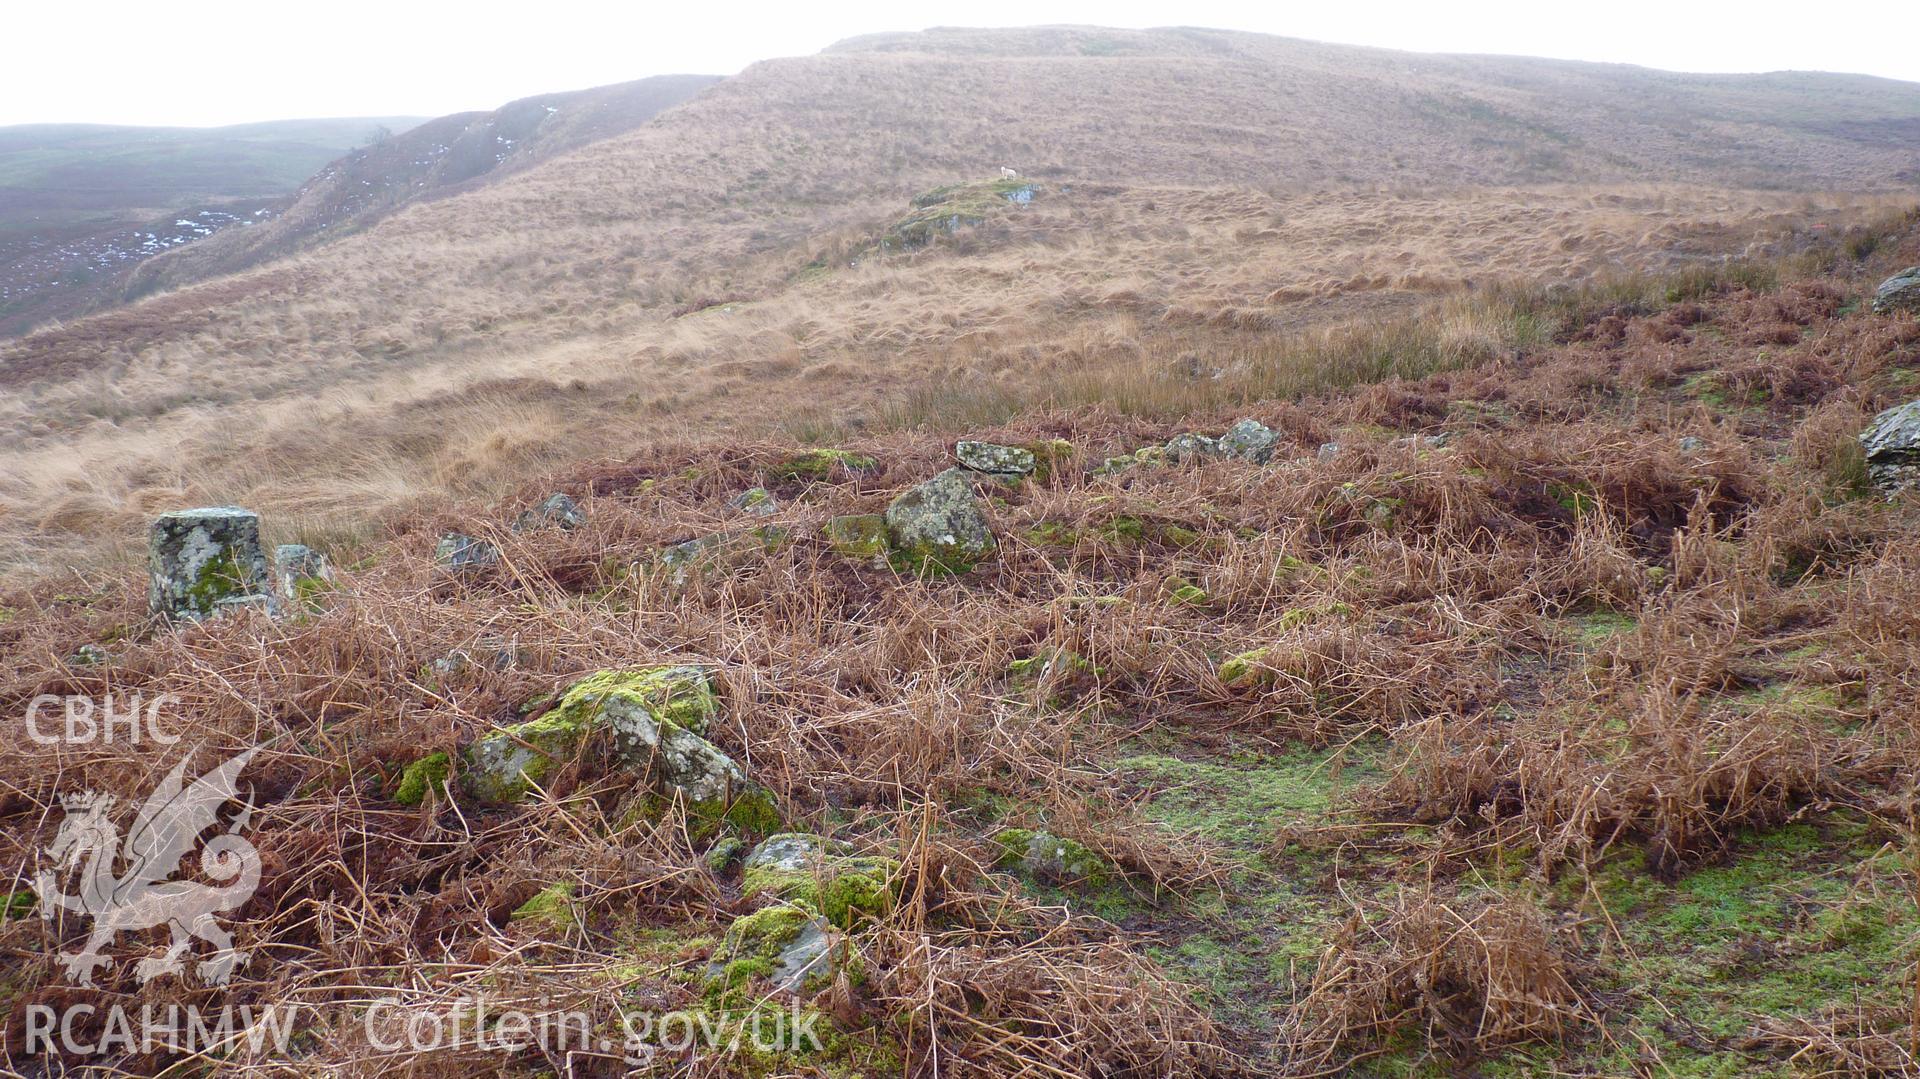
{"x":1249,"y":440}
{"x":424,"y":778}
{"x":1901,"y":292}
{"x":1892,"y":446}
{"x":939,"y":526}
{"x":302,"y":574}
{"x":463,"y":554}
{"x":818,"y":464}
{"x":557,"y":511}
{"x":1052,"y":859}
{"x":821,"y":875}
{"x":755,"y":502}
{"x":1691,"y":444}
{"x":993,"y":459}
{"x":203,"y":561}
{"x":859,"y":536}
{"x":1192,"y":447}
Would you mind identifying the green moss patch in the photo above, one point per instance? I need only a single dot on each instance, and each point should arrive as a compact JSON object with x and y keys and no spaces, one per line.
{"x":424,"y":778}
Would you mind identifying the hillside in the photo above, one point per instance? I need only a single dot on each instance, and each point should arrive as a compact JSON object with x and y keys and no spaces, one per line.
{"x":1528,"y":688}
{"x":431,"y":160}
{"x":53,"y":173}
{"x":81,"y":205}
{"x":728,"y":266}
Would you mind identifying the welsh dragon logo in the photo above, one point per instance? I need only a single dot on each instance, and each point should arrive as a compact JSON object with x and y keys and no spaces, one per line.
{"x":141,"y":895}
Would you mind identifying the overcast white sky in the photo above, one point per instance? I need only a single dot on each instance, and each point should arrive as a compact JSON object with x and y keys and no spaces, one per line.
{"x":109,"y":61}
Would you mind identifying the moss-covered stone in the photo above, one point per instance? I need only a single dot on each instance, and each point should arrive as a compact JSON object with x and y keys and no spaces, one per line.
{"x":1183,"y":592}
{"x":820,"y":463}
{"x":821,"y":875}
{"x":859,"y":536}
{"x":1050,"y":455}
{"x":424,"y":778}
{"x":788,"y":946}
{"x":204,"y":561}
{"x":724,"y":852}
{"x":652,"y":716}
{"x":1052,"y":859}
{"x":1048,"y":662}
{"x":551,"y":907}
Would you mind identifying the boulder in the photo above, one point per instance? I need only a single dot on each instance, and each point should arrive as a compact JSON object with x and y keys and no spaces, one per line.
{"x":558,"y":511}
{"x":1901,"y":292}
{"x":939,"y":527}
{"x":205,"y":561}
{"x":1892,"y":445}
{"x":1250,"y":440}
{"x":300,"y":572}
{"x":463,"y":554}
{"x":995,"y":460}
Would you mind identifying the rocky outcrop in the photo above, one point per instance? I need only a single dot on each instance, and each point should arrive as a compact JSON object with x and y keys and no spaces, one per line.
{"x":202,"y":562}
{"x":1901,"y":292}
{"x":939,"y":527}
{"x":1892,"y":446}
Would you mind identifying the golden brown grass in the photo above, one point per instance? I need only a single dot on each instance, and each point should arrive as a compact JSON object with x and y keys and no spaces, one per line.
{"x":562,"y":313}
{"x":1756,"y":663}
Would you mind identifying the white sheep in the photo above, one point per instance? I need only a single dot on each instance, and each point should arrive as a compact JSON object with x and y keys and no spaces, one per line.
{"x":1008,"y":174}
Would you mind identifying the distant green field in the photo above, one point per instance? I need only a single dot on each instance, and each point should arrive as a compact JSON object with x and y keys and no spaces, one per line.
{"x":55,"y":174}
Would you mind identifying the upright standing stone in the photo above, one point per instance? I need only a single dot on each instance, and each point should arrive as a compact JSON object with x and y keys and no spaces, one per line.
{"x":204,"y":561}
{"x":939,"y":526}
